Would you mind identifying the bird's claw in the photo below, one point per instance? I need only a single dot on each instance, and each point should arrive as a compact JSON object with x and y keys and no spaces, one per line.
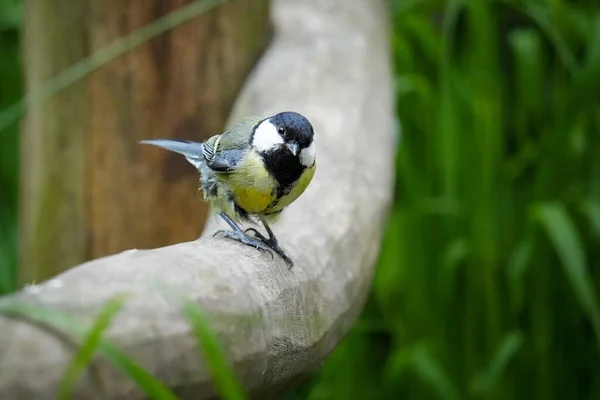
{"x":273,"y":245}
{"x":247,"y":240}
{"x":281,"y":253}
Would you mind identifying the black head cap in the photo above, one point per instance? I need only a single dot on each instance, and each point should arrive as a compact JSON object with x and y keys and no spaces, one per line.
{"x":293,"y":126}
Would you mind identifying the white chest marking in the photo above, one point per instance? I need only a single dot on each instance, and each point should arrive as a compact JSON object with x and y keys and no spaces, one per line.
{"x":307,"y":155}
{"x":266,"y":137}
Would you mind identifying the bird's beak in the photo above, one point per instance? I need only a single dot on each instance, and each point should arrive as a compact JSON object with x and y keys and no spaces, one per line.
{"x":293,"y":146}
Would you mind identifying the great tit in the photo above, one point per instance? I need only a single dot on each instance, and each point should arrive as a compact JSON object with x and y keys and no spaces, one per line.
{"x":255,"y":169}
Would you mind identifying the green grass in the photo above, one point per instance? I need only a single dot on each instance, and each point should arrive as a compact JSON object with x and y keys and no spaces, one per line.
{"x":487,"y":282}
{"x":210,"y":349}
{"x":90,"y":341}
{"x":10,"y":15}
{"x":10,"y":91}
{"x":85,"y":353}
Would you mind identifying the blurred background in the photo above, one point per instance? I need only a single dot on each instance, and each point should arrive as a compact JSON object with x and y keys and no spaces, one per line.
{"x":486,"y":286}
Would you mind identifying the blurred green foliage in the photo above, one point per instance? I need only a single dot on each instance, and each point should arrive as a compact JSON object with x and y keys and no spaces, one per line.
{"x":487,"y":282}
{"x":10,"y":15}
{"x":10,"y":92}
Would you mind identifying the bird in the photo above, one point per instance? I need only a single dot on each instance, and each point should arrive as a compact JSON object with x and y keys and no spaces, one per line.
{"x":252,"y":172}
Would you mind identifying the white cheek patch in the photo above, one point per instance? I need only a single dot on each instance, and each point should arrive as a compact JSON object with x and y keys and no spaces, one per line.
{"x":266,"y":137}
{"x":307,"y":155}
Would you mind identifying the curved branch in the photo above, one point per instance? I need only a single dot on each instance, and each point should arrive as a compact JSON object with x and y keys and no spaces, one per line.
{"x":329,"y":60}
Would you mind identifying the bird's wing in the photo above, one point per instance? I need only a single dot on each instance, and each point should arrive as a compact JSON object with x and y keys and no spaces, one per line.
{"x":222,"y":152}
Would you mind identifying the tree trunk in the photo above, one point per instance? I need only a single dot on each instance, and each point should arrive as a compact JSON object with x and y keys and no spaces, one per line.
{"x":89,"y":189}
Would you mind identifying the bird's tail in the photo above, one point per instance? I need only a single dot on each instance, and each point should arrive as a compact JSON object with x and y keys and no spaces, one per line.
{"x":192,"y":151}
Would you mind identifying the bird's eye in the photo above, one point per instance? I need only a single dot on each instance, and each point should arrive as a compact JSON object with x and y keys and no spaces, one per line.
{"x":281,"y":130}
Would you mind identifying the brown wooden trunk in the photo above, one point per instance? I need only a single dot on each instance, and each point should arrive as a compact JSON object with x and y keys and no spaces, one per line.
{"x":88,"y":188}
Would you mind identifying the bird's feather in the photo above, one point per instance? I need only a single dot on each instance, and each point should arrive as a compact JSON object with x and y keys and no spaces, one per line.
{"x":223,"y":152}
{"x":191,"y":150}
{"x":238,"y":136}
{"x":295,"y":190}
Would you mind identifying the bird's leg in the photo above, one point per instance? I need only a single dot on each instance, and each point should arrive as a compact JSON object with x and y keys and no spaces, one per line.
{"x":272,"y":242}
{"x":237,"y":234}
{"x":256,"y":234}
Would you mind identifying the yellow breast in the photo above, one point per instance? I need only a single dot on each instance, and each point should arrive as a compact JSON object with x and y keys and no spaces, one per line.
{"x":253,"y":201}
{"x":252,"y":187}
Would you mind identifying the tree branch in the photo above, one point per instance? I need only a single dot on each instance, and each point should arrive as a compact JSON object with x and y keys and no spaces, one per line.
{"x":329,"y":60}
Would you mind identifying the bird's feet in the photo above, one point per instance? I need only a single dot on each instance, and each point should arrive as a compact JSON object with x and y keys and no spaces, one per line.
{"x":273,"y":245}
{"x":245,"y":239}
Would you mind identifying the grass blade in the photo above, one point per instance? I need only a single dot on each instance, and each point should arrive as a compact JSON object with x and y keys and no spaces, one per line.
{"x":591,"y":210}
{"x":509,"y":347}
{"x":431,"y":371}
{"x":568,"y":245}
{"x":518,"y":264}
{"x":585,"y":92}
{"x":84,"y":355}
{"x":542,"y":16}
{"x":151,"y":386}
{"x":223,"y":375}
{"x":448,"y":128}
{"x":526,"y":45}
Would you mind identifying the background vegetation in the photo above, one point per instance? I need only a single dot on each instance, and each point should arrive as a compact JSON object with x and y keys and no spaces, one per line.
{"x":487,"y":281}
{"x":10,"y":92}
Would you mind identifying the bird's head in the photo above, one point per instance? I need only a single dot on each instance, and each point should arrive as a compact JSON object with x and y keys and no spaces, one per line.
{"x":286,"y":134}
